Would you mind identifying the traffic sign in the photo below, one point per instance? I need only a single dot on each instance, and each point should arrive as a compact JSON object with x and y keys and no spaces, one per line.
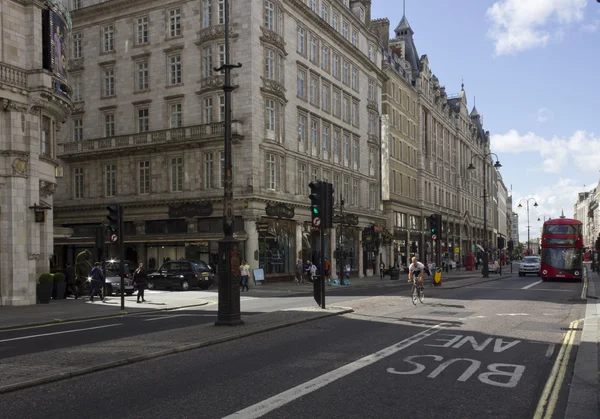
{"x":316,"y":222}
{"x":113,"y":238}
{"x":433,"y":237}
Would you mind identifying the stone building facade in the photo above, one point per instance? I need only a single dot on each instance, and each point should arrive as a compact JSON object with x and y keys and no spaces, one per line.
{"x":450,"y":138}
{"x":34,"y":100}
{"x":147,"y":130}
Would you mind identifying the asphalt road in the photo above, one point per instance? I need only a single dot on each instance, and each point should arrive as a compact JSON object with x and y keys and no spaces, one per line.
{"x":484,"y":351}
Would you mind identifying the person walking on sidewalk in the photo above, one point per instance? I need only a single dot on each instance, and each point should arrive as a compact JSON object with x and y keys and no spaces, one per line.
{"x":245,"y":273}
{"x":299,"y":272}
{"x":70,"y":280}
{"x":381,"y":269}
{"x":140,"y":278}
{"x":97,"y":282}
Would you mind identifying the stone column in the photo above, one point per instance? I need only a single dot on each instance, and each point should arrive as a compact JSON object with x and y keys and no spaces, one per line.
{"x":251,"y":246}
{"x":298,"y":241}
{"x":360,"y":257}
{"x":332,"y":246}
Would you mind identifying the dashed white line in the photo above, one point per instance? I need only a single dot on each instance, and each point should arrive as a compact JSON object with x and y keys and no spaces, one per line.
{"x":174,"y":315}
{"x":512,"y":314}
{"x":532,"y":285}
{"x":59,"y":333}
{"x":550,"y":350}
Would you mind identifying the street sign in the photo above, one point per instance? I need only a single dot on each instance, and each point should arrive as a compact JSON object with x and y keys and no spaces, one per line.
{"x":316,"y":222}
{"x":113,"y":238}
{"x":433,"y":237}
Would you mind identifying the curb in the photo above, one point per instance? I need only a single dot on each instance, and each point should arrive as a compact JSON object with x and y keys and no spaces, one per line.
{"x":101,"y":367}
{"x":477,"y":281}
{"x":106,"y":316}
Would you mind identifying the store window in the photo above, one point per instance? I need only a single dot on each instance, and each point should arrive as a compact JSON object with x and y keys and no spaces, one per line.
{"x":277,"y":248}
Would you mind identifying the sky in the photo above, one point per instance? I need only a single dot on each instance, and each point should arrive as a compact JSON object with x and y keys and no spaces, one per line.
{"x":530,"y":65}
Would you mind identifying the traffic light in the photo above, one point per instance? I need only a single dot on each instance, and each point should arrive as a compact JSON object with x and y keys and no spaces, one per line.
{"x":114,"y":218}
{"x":327,"y":205}
{"x":433,"y":224}
{"x":316,"y":202}
{"x":510,"y":245}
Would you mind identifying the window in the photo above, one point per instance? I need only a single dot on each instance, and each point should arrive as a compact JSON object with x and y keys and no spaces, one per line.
{"x":77,"y":129}
{"x":280,"y":70}
{"x":76,"y":4}
{"x":302,"y":128}
{"x":302,"y":84}
{"x":222,"y":169}
{"x":270,"y":115}
{"x":271,"y":172}
{"x":302,"y":184}
{"x":325,"y":58}
{"x":314,"y":91}
{"x":371,"y":53}
{"x":175,"y":22}
{"x":354,"y":78}
{"x":77,"y":45}
{"x":355,"y":192}
{"x":207,"y":64}
{"x":371,"y":90}
{"x":143,"y":120}
{"x":325,"y":97}
{"x":208,"y":170}
{"x":76,"y":85}
{"x":175,"y":115}
{"x":335,"y":21}
{"x":269,"y":16}
{"x":313,"y":5}
{"x":335,"y":68}
{"x":325,"y":138}
{"x":144,"y":176}
{"x":345,"y":30}
{"x":314,"y":133}
{"x":208,"y":110}
{"x":176,"y":174}
{"x":206,"y":13}
{"x":221,"y":12}
{"x":221,"y":48}
{"x":109,"y":82}
{"x":336,"y":145}
{"x":372,"y":117}
{"x":345,"y":73}
{"x":46,"y":136}
{"x":108,"y":34}
{"x":325,"y":12}
{"x":270,"y":64}
{"x":109,"y":125}
{"x":175,"y":69}
{"x":346,"y":109}
{"x":355,"y":156}
{"x":110,"y":180}
{"x":142,"y":76}
{"x":347,"y":189}
{"x":314,"y":48}
{"x":336,"y":103}
{"x":371,"y":161}
{"x":372,"y":197}
{"x":314,"y":174}
{"x":346,"y":148}
{"x":354,"y":38}
{"x":355,"y":121}
{"x":141,"y":30}
{"x":221,"y":108}
{"x":78,"y":183}
{"x":336,"y":184}
{"x":301,"y":41}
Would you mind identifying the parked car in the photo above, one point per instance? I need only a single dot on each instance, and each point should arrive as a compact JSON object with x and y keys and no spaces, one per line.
{"x":493,"y":267}
{"x":529,"y":265}
{"x":182,"y":274}
{"x":115,"y":266}
{"x":112,"y":283}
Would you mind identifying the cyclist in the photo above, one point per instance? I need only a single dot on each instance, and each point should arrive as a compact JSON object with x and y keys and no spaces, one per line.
{"x":417,"y":269}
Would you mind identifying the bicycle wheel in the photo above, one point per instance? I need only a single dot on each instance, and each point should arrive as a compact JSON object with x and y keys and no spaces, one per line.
{"x":415,"y":294}
{"x":421,"y":294}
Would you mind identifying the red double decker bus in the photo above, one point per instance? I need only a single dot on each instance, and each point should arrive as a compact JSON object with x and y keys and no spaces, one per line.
{"x":562,"y":249}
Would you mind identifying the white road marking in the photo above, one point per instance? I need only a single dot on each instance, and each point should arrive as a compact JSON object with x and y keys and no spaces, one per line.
{"x":168,"y":317}
{"x":512,"y":314}
{"x":262,"y":408}
{"x":59,"y":333}
{"x":550,"y":350}
{"x":532,"y":285}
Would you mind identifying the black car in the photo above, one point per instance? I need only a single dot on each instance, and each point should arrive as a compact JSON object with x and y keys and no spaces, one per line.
{"x":182,"y":274}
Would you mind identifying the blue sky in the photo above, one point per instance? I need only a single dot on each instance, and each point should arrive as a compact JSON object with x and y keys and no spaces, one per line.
{"x":532,"y":66}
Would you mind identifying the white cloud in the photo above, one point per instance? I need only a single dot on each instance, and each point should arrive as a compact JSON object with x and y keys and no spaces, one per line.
{"x":519,"y":25}
{"x":591,"y":27}
{"x":544,"y":114}
{"x":582,"y":149}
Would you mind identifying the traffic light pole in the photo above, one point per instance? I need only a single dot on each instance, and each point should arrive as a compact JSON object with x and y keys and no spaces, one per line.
{"x":340,"y":251}
{"x":322,"y":276}
{"x":121,"y":246}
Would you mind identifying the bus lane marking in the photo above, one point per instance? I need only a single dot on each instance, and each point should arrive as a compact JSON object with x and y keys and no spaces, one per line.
{"x":279,"y":400}
{"x":493,"y":374}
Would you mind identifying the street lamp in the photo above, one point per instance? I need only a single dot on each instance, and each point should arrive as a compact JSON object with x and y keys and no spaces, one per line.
{"x":544,"y":215}
{"x":528,"y":226}
{"x":497,"y":165}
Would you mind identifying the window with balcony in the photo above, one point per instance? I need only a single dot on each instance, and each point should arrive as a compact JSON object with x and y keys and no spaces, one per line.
{"x":108,"y":36}
{"x":110,"y":180}
{"x":176,"y":174}
{"x":109,"y":125}
{"x":141,"y":30}
{"x":142,"y":76}
{"x":143,"y":120}
{"x":175,"y":70}
{"x":78,"y":183}
{"x":77,"y":129}
{"x":175,"y":115}
{"x":270,"y":64}
{"x":144,"y":177}
{"x":109,"y":82}
{"x":270,"y":115}
{"x":175,"y":22}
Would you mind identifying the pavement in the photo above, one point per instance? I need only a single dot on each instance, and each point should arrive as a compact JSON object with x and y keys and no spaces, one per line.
{"x":498,"y":340}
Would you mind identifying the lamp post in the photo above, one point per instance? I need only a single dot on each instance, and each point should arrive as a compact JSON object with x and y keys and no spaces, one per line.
{"x":229,"y":252}
{"x":535,"y":204}
{"x":544,"y":215}
{"x":497,"y":165}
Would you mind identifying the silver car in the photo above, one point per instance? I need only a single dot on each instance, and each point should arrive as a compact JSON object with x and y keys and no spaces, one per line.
{"x":529,"y":265}
{"x":113,"y":284}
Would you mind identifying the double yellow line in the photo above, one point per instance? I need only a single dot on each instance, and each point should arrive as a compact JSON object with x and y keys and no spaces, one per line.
{"x":547,"y":403}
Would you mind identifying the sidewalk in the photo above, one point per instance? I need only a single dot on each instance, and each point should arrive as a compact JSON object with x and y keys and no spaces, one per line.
{"x":48,"y":366}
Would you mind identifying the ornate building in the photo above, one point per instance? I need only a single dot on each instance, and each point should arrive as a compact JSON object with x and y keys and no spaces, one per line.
{"x":147,"y":131}
{"x":449,"y":139}
{"x":34,"y":100}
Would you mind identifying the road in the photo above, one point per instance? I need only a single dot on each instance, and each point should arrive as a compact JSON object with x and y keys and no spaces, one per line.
{"x":486,"y":350}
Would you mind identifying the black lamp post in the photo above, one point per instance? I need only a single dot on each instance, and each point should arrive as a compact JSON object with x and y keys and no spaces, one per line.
{"x":535,"y":204}
{"x":544,"y":215}
{"x":229,"y":251}
{"x":497,"y":165}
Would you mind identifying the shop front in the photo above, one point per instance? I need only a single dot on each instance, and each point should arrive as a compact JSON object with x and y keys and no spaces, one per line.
{"x":277,"y":248}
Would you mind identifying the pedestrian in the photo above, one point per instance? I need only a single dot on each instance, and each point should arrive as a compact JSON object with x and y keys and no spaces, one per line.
{"x":140,"y":278}
{"x":299,"y":272}
{"x":245,"y":273}
{"x":381,"y":269}
{"x":313,"y":272}
{"x":70,"y":280}
{"x":327,"y":269}
{"x":307,"y":266}
{"x":97,"y":282}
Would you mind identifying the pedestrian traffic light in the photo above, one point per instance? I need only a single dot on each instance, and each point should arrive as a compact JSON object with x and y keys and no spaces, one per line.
{"x":114,"y":217}
{"x":316,"y":202}
{"x":327,"y":205}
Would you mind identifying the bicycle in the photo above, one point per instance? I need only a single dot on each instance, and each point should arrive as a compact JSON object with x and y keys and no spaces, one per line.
{"x":417,"y":292}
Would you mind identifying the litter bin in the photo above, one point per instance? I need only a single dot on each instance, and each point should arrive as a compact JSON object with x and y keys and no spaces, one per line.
{"x":394,"y":274}
{"x":437,"y":276}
